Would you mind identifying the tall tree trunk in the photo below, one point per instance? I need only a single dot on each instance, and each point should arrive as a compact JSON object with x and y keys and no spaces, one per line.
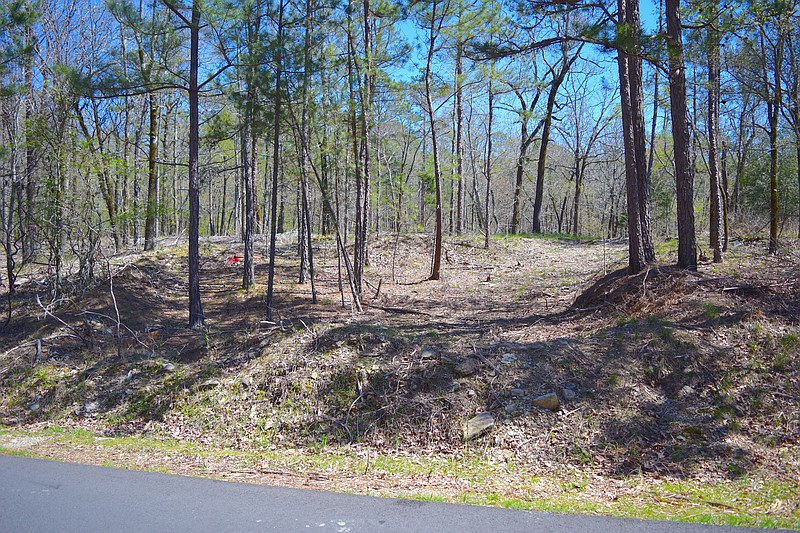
{"x":353,"y":79}
{"x":459,"y":137}
{"x":29,"y":244}
{"x":367,"y":101}
{"x":196,"y":318}
{"x":654,"y":118}
{"x":640,"y":144}
{"x":797,"y":152}
{"x":490,"y":124}
{"x":541,"y":166}
{"x":684,"y":175}
{"x":248,"y":270}
{"x":9,"y":243}
{"x":725,"y":203}
{"x":580,"y":170}
{"x":152,"y":175}
{"x":636,"y":254}
{"x":773,"y":111}
{"x":275,"y":160}
{"x":713,"y":132}
{"x":437,"y":241}
{"x":772,"y":117}
{"x":308,"y":253}
{"x":525,"y":140}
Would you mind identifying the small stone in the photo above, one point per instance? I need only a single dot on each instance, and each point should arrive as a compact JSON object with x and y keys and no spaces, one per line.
{"x":466,"y":367}
{"x":508,"y":358}
{"x":517,"y":392}
{"x":569,"y":394}
{"x":686,"y":392}
{"x":478,"y":425}
{"x":547,"y":401}
{"x":511,"y":408}
{"x":427,"y":353}
{"x":208,"y":384}
{"x":34,"y":407}
{"x":169,"y":367}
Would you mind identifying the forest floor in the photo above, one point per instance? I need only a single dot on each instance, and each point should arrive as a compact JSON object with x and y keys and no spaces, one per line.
{"x":664,"y":395}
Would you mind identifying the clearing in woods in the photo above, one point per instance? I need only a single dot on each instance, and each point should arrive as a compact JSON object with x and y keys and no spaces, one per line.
{"x":664,"y":395}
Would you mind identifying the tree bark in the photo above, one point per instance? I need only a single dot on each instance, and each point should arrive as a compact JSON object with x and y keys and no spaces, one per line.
{"x":713,"y":132}
{"x":640,"y":145}
{"x":636,"y":256}
{"x":152,"y":175}
{"x":684,"y":175}
{"x":275,"y":160}
{"x":196,"y":318}
{"x":486,"y":221}
{"x":437,"y":241}
{"x":459,"y":137}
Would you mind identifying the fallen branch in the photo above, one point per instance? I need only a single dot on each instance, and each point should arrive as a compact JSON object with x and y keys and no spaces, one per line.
{"x":73,"y":329}
{"x":755,"y":287}
{"x":486,"y":361}
{"x":399,"y":310}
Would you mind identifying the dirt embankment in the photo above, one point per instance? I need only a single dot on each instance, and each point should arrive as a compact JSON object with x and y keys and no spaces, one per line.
{"x":665,"y":373}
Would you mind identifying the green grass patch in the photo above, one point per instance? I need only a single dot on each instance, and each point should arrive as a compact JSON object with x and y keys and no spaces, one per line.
{"x":748,"y":501}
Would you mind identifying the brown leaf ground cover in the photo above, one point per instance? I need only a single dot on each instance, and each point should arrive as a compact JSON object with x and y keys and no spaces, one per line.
{"x":665,"y":379}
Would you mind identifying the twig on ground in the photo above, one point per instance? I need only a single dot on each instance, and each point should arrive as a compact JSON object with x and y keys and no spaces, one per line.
{"x":486,"y":361}
{"x":400,"y":310}
{"x":73,"y":329}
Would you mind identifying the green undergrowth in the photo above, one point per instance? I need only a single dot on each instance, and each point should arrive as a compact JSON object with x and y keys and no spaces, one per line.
{"x":751,"y":500}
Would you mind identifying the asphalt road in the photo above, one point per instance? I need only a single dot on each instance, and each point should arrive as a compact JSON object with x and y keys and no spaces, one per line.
{"x":47,"y":496}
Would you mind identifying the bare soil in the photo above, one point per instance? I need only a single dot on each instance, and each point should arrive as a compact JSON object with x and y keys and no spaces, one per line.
{"x":667,"y":374}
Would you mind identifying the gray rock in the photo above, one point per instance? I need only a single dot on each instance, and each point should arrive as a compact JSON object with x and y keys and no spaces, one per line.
{"x":569,"y":394}
{"x":547,"y":401}
{"x":517,"y":392}
{"x":686,"y":392}
{"x":455,"y":386}
{"x":427,"y":353}
{"x":34,"y":406}
{"x":511,"y":408}
{"x":478,"y":425}
{"x":466,"y":367}
{"x":208,"y":384}
{"x":509,"y":358}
